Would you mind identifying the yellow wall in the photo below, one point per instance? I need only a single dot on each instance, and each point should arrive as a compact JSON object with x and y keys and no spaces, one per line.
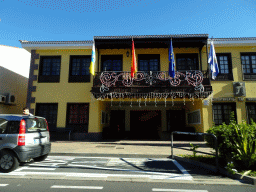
{"x":16,"y":85}
{"x":64,"y":92}
{"x":225,"y":88}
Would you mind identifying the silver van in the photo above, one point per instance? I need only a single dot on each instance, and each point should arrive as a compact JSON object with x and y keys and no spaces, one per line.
{"x":22,"y":137}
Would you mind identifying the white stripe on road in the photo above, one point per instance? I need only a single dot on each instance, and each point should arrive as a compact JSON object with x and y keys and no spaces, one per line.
{"x":178,"y":190}
{"x":3,"y":185}
{"x":100,"y":175}
{"x":34,"y":168}
{"x":181,"y":169}
{"x":75,"y":187}
{"x":180,"y":176}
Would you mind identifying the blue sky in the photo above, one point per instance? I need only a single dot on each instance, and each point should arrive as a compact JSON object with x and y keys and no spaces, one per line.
{"x":67,"y":20}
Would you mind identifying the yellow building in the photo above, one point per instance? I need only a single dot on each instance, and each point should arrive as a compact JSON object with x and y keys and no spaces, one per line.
{"x":152,"y":104}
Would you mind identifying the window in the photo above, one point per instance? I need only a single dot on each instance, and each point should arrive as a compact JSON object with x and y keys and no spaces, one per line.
{"x":222,"y":111}
{"x":187,"y":62}
{"x":104,"y":117}
{"x":3,"y":126}
{"x":225,"y":66}
{"x":36,"y":124}
{"x":251,"y":112}
{"x":194,"y":117}
{"x":111,"y":63}
{"x":48,"y":111}
{"x":49,"y":69}
{"x":149,"y":62}
{"x":249,"y":65}
{"x":78,"y":116}
{"x":79,"y":69}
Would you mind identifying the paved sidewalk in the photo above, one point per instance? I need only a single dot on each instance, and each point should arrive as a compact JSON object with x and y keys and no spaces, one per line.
{"x":129,"y":147}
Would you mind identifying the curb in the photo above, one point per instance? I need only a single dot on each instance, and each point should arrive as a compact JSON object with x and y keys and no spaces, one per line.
{"x":237,"y":176}
{"x":112,"y":155}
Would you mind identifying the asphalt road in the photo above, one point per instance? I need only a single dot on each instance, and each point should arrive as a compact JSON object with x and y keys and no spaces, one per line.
{"x":29,"y":185}
{"x":107,"y":168}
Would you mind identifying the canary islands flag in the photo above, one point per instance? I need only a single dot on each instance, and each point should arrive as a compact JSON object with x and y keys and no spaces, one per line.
{"x":92,"y":66}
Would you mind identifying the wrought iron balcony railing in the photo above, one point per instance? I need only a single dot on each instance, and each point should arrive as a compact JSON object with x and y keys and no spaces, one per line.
{"x":109,"y":79}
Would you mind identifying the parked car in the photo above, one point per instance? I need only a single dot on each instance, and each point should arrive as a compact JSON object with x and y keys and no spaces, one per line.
{"x":22,"y":137}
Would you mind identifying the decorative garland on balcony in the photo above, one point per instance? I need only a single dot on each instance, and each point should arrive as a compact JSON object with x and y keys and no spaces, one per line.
{"x":193,"y":78}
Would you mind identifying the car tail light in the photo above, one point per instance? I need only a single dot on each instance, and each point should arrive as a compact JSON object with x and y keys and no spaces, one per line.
{"x":47,"y":128}
{"x":22,"y":132}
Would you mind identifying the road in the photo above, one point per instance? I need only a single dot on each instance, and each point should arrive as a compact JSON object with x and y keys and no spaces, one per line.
{"x":107,"y":173}
{"x":31,"y":185}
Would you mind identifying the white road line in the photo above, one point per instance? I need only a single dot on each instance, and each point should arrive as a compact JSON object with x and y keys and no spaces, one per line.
{"x":34,"y":168}
{"x":90,"y":162}
{"x":178,"y":190}
{"x":182,"y":169}
{"x":75,"y":187}
{"x":101,"y":175}
{"x":3,"y":185}
{"x":139,"y":171}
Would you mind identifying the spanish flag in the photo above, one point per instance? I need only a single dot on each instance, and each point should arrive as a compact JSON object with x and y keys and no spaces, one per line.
{"x":92,"y":66}
{"x":134,"y":63}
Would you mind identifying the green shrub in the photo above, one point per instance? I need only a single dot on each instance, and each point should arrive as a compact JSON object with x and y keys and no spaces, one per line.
{"x":236,"y":142}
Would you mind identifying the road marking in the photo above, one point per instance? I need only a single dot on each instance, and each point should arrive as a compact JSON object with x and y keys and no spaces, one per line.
{"x":181,"y":169}
{"x":178,"y":190}
{"x":34,"y":168}
{"x":3,"y":185}
{"x":76,"y":187}
{"x":180,"y":176}
{"x":101,"y":175}
{"x":90,"y":162}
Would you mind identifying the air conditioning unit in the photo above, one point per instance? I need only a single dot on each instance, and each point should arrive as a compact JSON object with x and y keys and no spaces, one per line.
{"x":2,"y":99}
{"x":10,"y":99}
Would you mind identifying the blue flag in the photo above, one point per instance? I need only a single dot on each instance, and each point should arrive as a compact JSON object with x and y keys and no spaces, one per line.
{"x":171,"y":61}
{"x":212,"y":60}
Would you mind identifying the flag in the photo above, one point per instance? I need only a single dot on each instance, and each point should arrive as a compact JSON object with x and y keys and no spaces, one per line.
{"x":92,"y":65}
{"x":212,"y":60}
{"x":134,"y":63}
{"x":171,"y":61}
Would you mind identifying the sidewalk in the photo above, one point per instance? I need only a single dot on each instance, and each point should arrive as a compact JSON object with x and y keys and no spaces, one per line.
{"x":129,"y":147}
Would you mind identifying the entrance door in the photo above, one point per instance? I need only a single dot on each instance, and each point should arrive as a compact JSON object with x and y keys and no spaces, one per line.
{"x":176,"y":122}
{"x":145,"y":124}
{"x":117,"y":123}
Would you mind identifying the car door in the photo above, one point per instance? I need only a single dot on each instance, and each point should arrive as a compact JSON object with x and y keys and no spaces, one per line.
{"x":36,"y":131}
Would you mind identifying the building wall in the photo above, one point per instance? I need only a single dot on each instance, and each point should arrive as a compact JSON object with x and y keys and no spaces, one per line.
{"x":14,"y":84}
{"x":225,"y":88}
{"x":64,"y":92}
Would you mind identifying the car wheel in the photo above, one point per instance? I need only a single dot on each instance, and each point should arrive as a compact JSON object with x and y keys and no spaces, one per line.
{"x":8,"y":161}
{"x":41,"y":158}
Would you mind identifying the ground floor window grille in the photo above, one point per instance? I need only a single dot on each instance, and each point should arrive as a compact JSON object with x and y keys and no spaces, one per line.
{"x":251,"y":112}
{"x":194,"y":117}
{"x":221,"y":112}
{"x":78,"y":116}
{"x":48,"y":111}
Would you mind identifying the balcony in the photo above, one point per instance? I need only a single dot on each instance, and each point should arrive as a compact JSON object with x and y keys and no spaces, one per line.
{"x":152,"y":84}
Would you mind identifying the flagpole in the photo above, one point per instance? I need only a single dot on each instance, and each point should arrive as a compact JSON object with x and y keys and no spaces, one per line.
{"x":208,"y":65}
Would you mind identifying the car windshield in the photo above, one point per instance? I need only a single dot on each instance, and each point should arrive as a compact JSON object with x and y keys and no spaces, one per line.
{"x":36,"y":124}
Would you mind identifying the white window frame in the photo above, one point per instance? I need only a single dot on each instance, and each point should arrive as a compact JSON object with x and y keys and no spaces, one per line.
{"x":196,"y":111}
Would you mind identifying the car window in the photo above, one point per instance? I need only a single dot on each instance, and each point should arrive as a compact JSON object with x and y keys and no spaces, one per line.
{"x":35,"y":125}
{"x":3,"y":126}
{"x":13,"y":127}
